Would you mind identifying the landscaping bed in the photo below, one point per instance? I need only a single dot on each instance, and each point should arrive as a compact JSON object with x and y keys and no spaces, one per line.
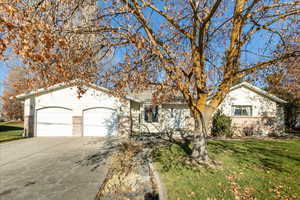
{"x":129,"y":176}
{"x":252,"y":169}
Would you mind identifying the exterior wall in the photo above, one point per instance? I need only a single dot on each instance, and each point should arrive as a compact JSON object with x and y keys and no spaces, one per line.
{"x":77,"y":125}
{"x":181,"y":119}
{"x":29,"y":117}
{"x":28,"y":126}
{"x":125,"y":119}
{"x":267,"y":116}
{"x":68,"y":98}
{"x":135,"y":116}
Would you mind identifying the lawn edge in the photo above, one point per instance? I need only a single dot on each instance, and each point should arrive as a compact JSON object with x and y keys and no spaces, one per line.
{"x":161,"y":187}
{"x":11,"y":139}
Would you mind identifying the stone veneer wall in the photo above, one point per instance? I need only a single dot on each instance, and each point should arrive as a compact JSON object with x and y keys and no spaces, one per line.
{"x":124,"y":126}
{"x":77,"y":126}
{"x":28,"y":126}
{"x":135,"y":116}
{"x":125,"y":122}
{"x":259,"y":126}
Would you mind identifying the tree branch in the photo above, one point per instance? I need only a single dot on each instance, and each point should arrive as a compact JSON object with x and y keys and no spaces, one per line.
{"x":271,"y":30}
{"x":166,"y":62}
{"x":277,"y":5}
{"x":248,"y":10}
{"x":169,"y":19}
{"x":248,"y":35}
{"x":265,"y":64}
{"x":211,"y":13}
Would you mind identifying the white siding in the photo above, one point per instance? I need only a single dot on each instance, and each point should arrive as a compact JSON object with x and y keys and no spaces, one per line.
{"x":68,"y":98}
{"x":261,"y":106}
{"x":27,"y":107}
{"x":166,"y":121}
{"x":267,"y":115}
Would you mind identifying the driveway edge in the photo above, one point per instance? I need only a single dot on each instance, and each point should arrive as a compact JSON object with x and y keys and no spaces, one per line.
{"x":161,"y":188}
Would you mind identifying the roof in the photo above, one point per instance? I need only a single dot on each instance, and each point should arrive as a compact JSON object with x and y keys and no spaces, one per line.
{"x":141,"y":97}
{"x":61,"y":86}
{"x":258,"y":91}
{"x":146,"y":96}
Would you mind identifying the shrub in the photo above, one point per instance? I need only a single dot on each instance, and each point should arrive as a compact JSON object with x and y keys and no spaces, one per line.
{"x":221,"y":125}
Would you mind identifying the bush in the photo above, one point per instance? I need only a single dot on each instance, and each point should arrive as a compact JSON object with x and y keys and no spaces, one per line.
{"x":221,"y":125}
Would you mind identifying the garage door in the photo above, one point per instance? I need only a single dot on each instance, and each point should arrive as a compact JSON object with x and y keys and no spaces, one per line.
{"x":54,"y":122}
{"x":100,"y":122}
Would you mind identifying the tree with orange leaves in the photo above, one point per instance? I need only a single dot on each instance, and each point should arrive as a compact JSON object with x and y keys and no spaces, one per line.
{"x":42,"y":35}
{"x":15,"y":83}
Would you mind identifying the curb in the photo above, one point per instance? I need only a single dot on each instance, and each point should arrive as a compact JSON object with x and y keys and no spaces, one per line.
{"x":161,"y":188}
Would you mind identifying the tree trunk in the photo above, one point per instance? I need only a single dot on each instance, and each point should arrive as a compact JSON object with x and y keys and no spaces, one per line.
{"x":199,"y":151}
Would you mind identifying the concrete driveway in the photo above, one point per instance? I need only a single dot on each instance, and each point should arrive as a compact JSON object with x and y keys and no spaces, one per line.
{"x":53,"y":168}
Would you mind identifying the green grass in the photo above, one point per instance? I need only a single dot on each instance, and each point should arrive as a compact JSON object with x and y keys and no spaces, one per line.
{"x":10,"y":131}
{"x":249,"y":170}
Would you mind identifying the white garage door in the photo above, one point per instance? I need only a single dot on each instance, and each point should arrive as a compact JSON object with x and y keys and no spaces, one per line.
{"x":100,"y":122}
{"x":54,"y":122}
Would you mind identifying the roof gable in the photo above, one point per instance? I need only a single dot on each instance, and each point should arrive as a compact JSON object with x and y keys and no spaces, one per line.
{"x":55,"y":87}
{"x":63,"y":85}
{"x":258,"y":91}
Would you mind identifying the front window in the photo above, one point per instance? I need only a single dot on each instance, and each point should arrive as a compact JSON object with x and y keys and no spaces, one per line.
{"x":151,"y":113}
{"x":239,"y":110}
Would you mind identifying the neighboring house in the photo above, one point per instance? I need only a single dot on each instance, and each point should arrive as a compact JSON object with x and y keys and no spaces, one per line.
{"x":57,"y":111}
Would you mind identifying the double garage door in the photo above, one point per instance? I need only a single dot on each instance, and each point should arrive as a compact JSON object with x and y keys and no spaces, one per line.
{"x":58,"y":122}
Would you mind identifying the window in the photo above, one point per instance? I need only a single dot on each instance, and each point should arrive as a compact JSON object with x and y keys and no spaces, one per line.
{"x":242,"y":110}
{"x":151,"y":113}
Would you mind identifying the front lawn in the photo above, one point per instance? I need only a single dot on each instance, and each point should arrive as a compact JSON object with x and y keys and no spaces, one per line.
{"x":249,"y":170}
{"x":10,"y":131}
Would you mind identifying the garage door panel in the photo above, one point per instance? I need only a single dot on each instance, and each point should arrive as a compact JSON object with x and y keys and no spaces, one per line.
{"x":54,"y":122}
{"x":100,"y":122}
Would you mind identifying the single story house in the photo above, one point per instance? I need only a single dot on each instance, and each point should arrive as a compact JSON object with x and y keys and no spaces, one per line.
{"x":57,"y":111}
